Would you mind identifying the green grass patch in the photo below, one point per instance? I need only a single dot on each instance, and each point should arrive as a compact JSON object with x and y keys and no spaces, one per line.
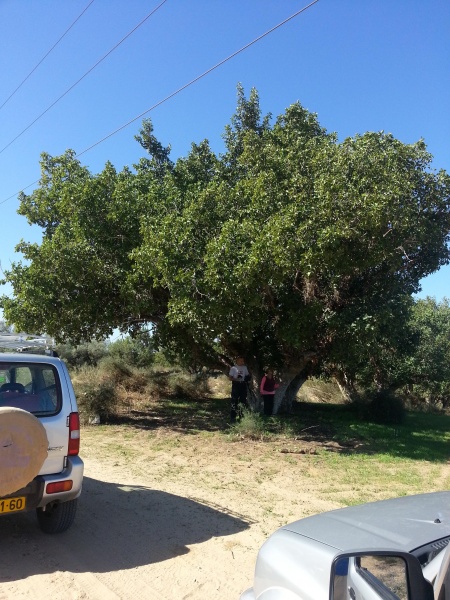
{"x":422,"y":436}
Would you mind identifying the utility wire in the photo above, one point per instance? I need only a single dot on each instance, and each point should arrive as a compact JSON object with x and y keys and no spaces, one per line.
{"x":216,"y":66}
{"x":42,"y":59}
{"x":181,"y":88}
{"x":83,"y":76}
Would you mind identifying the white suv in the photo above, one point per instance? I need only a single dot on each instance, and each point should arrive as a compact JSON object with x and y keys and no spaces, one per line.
{"x":39,"y":440}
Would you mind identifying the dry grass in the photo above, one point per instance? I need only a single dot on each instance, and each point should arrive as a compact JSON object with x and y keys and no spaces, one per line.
{"x":321,"y":392}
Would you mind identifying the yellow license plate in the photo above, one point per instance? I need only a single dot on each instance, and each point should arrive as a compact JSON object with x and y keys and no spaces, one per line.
{"x":8,"y":505}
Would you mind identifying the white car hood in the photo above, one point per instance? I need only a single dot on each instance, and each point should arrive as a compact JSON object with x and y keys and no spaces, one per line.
{"x":404,"y":523}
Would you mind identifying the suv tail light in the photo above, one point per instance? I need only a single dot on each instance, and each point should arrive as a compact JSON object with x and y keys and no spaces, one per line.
{"x":74,"y":434}
{"x":59,"y":486}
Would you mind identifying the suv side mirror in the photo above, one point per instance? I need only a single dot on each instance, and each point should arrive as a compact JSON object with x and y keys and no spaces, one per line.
{"x":377,"y":575}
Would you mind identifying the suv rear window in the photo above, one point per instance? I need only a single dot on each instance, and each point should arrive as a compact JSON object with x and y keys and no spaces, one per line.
{"x":32,"y":387}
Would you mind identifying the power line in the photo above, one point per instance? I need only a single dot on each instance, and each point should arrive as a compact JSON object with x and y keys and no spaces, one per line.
{"x":83,"y":76}
{"x":207,"y":72}
{"x":17,"y":193}
{"x":182,"y":88}
{"x":42,"y":59}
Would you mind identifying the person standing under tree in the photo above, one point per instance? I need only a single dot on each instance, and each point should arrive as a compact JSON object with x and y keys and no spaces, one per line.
{"x":239,"y":376}
{"x":267,"y":391}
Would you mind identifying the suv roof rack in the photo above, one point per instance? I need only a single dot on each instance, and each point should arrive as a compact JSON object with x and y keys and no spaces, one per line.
{"x":26,"y":343}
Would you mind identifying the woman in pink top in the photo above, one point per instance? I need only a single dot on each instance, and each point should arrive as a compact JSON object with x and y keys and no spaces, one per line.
{"x":267,"y":391}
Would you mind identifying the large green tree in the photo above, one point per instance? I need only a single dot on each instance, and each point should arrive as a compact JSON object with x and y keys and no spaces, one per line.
{"x":288,"y":248}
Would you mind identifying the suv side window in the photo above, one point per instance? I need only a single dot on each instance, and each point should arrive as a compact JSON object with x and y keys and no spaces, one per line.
{"x":32,"y":387}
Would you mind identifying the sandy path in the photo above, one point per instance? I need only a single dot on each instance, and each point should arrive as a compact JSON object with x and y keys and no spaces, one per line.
{"x":129,"y":541}
{"x":185,"y":521}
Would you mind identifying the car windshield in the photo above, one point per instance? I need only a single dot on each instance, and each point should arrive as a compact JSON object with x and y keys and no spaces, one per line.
{"x":34,"y":387}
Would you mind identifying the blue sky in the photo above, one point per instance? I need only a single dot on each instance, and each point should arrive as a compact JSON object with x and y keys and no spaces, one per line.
{"x":366,"y":65}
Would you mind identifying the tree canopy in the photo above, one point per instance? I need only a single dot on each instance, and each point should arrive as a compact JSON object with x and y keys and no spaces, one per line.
{"x":289,"y":247}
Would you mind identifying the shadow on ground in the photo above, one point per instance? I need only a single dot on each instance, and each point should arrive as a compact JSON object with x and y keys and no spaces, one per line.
{"x":181,"y":415}
{"x":117,"y":527}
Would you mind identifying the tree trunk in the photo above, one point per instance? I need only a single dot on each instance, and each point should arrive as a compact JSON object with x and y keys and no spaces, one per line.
{"x":253,"y":395}
{"x":287,"y":392}
{"x":291,"y":381}
{"x":345,"y":392}
{"x":284,"y":395}
{"x":345,"y":385}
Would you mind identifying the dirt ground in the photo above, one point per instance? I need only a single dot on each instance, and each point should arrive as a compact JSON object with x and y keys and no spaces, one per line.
{"x":164,"y":515}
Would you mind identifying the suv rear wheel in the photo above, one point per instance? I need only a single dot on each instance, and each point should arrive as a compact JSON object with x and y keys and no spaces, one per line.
{"x":57,"y":517}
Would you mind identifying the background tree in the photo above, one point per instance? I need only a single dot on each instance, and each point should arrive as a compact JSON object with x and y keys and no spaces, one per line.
{"x":428,"y":366}
{"x":289,"y":248}
{"x":383,"y":343}
{"x":137,"y":352}
{"x":88,"y":353}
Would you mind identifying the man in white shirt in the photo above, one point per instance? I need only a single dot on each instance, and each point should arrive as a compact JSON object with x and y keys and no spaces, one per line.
{"x":239,"y":376}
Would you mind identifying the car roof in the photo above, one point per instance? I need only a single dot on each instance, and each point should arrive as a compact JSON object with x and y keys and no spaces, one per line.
{"x":28,"y":357}
{"x":404,"y":523}
{"x":18,"y":344}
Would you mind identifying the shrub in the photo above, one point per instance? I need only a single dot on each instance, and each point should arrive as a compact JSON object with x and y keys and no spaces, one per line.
{"x":114,"y":369}
{"x":138,"y":352}
{"x":386,"y":408}
{"x":95,"y":396}
{"x":161,"y":360}
{"x":114,"y":386}
{"x":84,"y":354}
{"x":251,"y":426}
{"x":431,"y":396}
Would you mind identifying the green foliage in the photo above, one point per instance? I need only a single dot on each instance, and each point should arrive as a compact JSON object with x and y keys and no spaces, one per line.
{"x":287,"y":248}
{"x":89,"y":226}
{"x":138,"y":352}
{"x":428,"y":364}
{"x":251,"y":426}
{"x":89,"y":353}
{"x":161,"y":360}
{"x":135,"y":352}
{"x":407,"y":351}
